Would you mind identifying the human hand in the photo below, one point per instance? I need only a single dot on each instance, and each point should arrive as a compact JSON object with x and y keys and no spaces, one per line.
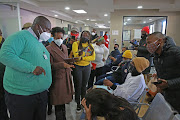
{"x":135,"y":48}
{"x":39,"y":70}
{"x":103,"y":60}
{"x":107,"y":82}
{"x":68,"y":65}
{"x":80,"y":52}
{"x":163,"y":85}
{"x":154,"y":75}
{"x":87,"y":109}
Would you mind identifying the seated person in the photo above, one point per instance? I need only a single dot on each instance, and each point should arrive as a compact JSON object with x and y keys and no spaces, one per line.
{"x":120,"y":74}
{"x":100,"y":103}
{"x":114,"y":58}
{"x":134,"y":84}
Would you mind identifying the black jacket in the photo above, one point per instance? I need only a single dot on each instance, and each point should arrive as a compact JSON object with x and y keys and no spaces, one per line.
{"x":143,"y":52}
{"x":168,"y":67}
{"x":121,"y":74}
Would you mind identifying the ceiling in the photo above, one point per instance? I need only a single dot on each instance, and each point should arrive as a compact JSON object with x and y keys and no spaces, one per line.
{"x":141,"y":20}
{"x":95,"y":8}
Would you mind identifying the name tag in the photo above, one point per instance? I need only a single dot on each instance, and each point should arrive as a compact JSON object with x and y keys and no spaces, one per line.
{"x":45,"y":56}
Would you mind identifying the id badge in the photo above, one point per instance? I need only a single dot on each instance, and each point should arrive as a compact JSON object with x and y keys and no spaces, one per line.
{"x":45,"y":56}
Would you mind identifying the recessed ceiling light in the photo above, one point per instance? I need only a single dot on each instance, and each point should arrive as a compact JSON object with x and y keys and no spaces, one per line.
{"x":105,"y":14}
{"x":150,"y":19}
{"x":87,"y":19}
{"x":109,"y":21}
{"x":76,"y":22}
{"x":80,"y":11}
{"x":140,"y":7}
{"x":56,"y":15}
{"x":93,"y":19}
{"x":128,"y":19}
{"x":67,"y":8}
{"x":125,"y":23}
{"x":144,"y":22}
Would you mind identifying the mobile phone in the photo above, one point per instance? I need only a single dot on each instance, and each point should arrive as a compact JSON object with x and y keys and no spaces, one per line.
{"x":73,"y":37}
{"x":156,"y":83}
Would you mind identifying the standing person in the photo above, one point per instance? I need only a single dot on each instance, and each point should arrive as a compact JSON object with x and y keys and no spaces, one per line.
{"x":1,"y":38}
{"x":142,"y":50}
{"x":71,"y":39}
{"x":106,"y":39}
{"x":61,"y":90}
{"x":28,"y":72}
{"x":94,"y":34}
{"x":101,"y":56}
{"x":85,"y":51}
{"x":167,"y":64}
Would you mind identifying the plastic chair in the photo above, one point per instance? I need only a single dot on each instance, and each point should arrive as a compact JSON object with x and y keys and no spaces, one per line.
{"x":176,"y":117}
{"x":137,"y":104}
{"x":159,"y":109}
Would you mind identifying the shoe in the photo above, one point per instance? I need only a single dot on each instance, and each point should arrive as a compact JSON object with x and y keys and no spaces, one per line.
{"x":78,"y":109}
{"x":49,"y":112}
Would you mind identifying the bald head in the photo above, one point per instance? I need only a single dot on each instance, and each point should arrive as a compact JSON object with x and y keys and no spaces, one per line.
{"x":41,"y":24}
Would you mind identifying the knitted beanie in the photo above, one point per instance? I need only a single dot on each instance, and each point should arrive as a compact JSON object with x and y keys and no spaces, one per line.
{"x":127,"y":54}
{"x":141,"y":64}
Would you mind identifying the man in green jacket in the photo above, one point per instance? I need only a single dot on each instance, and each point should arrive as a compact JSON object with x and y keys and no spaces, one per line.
{"x":28,"y":71}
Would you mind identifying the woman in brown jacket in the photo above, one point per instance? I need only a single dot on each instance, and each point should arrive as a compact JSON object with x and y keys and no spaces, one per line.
{"x":61,"y":90}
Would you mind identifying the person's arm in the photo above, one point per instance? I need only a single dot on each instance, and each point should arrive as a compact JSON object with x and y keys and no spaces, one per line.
{"x":175,"y":83}
{"x":75,"y":49}
{"x":127,"y":91}
{"x":106,"y":52}
{"x":9,"y":55}
{"x":142,"y":48}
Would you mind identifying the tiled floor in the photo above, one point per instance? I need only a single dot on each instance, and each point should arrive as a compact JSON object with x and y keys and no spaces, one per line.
{"x":70,"y":112}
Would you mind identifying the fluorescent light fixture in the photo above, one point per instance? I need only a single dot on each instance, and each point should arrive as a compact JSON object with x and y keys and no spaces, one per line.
{"x":128,"y":19}
{"x":79,"y":11}
{"x":67,"y":8}
{"x":87,"y":19}
{"x":140,"y":7}
{"x":95,"y":23}
{"x":105,"y":14}
{"x":76,"y":22}
{"x":150,"y":19}
{"x":144,"y":22}
{"x":56,"y":15}
{"x":93,"y":19}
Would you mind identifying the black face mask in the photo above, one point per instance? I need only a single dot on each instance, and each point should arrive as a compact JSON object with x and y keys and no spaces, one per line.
{"x":115,"y":48}
{"x":143,"y":36}
{"x":133,"y":70}
{"x":84,"y":39}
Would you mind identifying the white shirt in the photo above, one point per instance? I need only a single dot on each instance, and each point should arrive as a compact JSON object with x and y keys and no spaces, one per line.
{"x":132,"y":88}
{"x":101,"y":52}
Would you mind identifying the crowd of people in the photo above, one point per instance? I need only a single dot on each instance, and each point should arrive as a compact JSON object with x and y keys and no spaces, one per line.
{"x":39,"y":68}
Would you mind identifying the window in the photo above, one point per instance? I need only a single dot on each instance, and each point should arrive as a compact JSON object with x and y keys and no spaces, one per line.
{"x":164,"y":27}
{"x":151,"y":28}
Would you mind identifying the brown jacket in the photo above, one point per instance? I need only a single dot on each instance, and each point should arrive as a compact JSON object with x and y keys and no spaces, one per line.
{"x":61,"y":90}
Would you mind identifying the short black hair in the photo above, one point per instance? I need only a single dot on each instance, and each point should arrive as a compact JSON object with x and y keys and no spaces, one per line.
{"x":125,"y":47}
{"x":56,"y":30}
{"x":117,"y":44}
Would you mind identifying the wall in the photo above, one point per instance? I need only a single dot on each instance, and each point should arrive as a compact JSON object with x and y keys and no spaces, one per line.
{"x":173,"y":23}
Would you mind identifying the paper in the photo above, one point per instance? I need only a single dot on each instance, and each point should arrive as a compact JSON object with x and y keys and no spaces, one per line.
{"x":115,"y":32}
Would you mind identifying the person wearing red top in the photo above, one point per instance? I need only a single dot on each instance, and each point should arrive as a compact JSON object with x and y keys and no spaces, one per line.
{"x":106,"y":39}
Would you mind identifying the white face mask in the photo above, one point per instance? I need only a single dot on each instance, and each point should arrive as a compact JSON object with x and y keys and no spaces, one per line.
{"x":93,"y":33}
{"x":58,"y":42}
{"x":44,"y":36}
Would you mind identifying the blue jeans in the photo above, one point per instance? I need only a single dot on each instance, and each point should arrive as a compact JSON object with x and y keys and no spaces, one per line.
{"x":111,"y":78}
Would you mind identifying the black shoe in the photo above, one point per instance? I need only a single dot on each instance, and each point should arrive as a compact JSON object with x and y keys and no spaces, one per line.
{"x":49,"y":112}
{"x":78,"y":109}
